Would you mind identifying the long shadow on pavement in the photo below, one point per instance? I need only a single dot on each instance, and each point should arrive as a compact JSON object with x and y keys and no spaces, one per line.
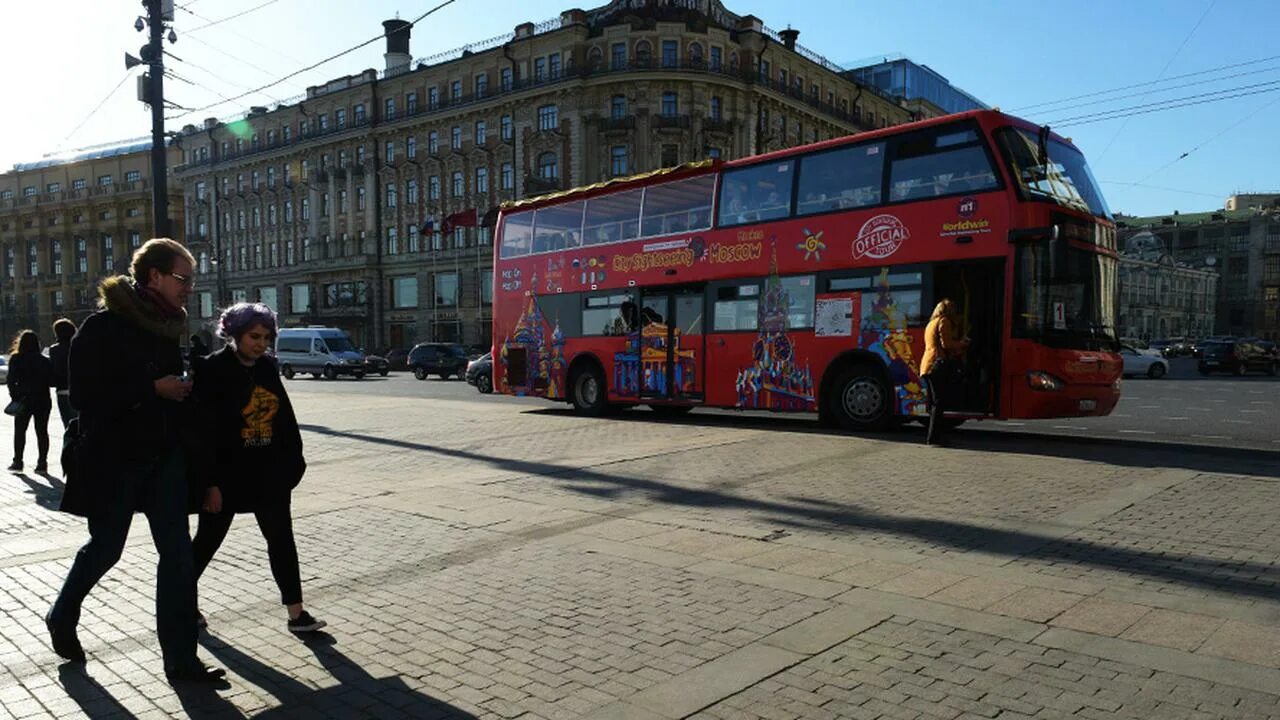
{"x":47,"y":496}
{"x":357,"y":694}
{"x":1256,"y":579}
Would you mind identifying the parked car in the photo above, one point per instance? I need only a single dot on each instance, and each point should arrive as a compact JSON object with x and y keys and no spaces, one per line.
{"x":4,"y":367}
{"x":480,"y":373}
{"x":1211,"y":340}
{"x":1236,"y":358}
{"x":1143,"y":362}
{"x":443,"y":359}
{"x":376,"y":364}
{"x":321,"y":351}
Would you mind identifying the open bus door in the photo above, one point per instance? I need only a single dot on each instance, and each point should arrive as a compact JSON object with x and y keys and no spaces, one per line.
{"x":977,"y":287}
{"x":672,"y":353}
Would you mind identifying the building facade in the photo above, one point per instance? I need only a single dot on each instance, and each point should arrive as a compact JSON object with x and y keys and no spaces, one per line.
{"x":65,"y":224}
{"x":368,"y":205}
{"x":1243,"y":246}
{"x":1160,"y":297}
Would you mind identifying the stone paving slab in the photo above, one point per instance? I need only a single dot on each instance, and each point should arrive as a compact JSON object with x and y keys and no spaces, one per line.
{"x":478,"y":559}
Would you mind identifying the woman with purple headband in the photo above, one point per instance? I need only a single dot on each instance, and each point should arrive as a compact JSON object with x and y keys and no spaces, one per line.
{"x":253,"y":452}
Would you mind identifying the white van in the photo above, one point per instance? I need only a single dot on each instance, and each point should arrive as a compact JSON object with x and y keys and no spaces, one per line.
{"x":321,"y":351}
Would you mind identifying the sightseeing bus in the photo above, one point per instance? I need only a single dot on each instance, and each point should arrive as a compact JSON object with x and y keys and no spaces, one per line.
{"x":802,"y":280}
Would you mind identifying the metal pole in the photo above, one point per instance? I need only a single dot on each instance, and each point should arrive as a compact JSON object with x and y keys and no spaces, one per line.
{"x":159,"y":179}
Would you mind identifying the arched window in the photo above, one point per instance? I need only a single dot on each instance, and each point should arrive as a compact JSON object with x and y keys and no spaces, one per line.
{"x":595,"y":59}
{"x":548,"y":166}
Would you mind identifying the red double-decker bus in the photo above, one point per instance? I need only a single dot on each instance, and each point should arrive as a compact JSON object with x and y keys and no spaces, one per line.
{"x":802,"y":280}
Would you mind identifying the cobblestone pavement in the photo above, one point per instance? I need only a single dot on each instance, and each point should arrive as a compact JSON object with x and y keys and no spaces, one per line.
{"x":502,"y":558}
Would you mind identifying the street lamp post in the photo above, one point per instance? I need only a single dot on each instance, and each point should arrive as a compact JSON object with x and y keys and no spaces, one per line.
{"x":152,"y":93}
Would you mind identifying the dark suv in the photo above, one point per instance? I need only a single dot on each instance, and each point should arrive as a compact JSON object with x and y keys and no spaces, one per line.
{"x":443,"y":359}
{"x":1237,"y":358}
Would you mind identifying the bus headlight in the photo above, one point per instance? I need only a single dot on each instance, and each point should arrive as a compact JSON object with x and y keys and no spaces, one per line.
{"x":1043,"y":381}
{"x":1116,"y":385}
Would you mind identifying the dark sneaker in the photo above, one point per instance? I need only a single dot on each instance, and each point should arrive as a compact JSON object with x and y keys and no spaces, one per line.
{"x":196,"y":673}
{"x":64,"y":640}
{"x":304,"y":623}
{"x":200,"y":621}
{"x":16,"y":466}
{"x":42,"y":467}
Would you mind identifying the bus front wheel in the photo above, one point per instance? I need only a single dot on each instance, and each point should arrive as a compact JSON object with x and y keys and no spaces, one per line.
{"x":588,"y":392}
{"x":860,"y":400}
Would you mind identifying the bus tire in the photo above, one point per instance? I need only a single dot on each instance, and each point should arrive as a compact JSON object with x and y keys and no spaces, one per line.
{"x":287,"y":371}
{"x":587,"y":391}
{"x":860,"y":399}
{"x":671,"y":410}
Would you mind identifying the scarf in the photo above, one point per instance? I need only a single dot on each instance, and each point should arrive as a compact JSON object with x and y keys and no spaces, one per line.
{"x":143,"y":307}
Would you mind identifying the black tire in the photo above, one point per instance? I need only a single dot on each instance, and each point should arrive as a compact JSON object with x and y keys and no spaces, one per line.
{"x":484,"y":383}
{"x":587,"y":391}
{"x":1156,"y":371}
{"x":444,"y":376}
{"x":420,"y":373}
{"x":287,"y":372}
{"x":317,"y":375}
{"x":330,"y":373}
{"x":671,"y":410}
{"x":358,"y":376}
{"x":860,"y":400}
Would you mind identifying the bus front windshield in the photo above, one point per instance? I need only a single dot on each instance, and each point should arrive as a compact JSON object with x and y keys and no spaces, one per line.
{"x":1062,"y":177}
{"x":1069,"y":303}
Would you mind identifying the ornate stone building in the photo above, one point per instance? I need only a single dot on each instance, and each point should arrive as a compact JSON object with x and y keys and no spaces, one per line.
{"x":65,"y":224}
{"x":319,"y":207}
{"x":1161,"y":298}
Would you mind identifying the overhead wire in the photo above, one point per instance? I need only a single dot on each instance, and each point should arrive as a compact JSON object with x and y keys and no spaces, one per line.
{"x":1125,"y":111}
{"x":1220,"y":133}
{"x":212,"y":23}
{"x":1166,"y":89}
{"x":94,"y":111}
{"x":335,"y":56}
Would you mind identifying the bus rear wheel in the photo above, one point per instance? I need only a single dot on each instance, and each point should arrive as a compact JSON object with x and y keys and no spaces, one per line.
{"x":587,"y":392}
{"x":859,"y":399}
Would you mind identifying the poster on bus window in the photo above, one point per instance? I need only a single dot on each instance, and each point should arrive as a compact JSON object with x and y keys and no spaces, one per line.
{"x":836,"y":315}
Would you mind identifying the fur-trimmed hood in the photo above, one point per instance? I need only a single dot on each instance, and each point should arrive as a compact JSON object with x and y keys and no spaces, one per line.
{"x":119,"y":295}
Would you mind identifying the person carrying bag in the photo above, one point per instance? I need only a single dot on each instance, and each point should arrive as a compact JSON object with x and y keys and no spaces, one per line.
{"x":943,"y":364}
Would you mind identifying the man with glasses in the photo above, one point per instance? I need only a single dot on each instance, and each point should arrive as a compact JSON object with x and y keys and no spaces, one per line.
{"x":124,"y":375}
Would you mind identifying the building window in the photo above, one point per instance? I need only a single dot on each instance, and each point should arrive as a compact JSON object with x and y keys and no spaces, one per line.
{"x":393,"y":241}
{"x":482,"y":85}
{"x":455,"y":138}
{"x":670,"y":104}
{"x":618,"y":107}
{"x":391,"y":151}
{"x":618,"y":160}
{"x":108,"y":254}
{"x":77,"y":184}
{"x":391,"y":195}
{"x":411,"y":103}
{"x":55,"y":257}
{"x":482,"y":129}
{"x":299,"y":298}
{"x":455,"y":91}
{"x":411,"y":239}
{"x":411,"y":147}
{"x":411,"y":192}
{"x":507,"y":128}
{"x":433,"y":142}
{"x":404,"y":292}
{"x":539,"y":69}
{"x":508,"y":177}
{"x":482,"y":180}
{"x":360,"y":201}
{"x":457,"y":183}
{"x":670,"y":53}
{"x":548,"y":166}
{"x":103,"y":181}
{"x":357,"y":113}
{"x":305,"y":210}
{"x":553,"y":65}
{"x":547,"y":117}
{"x":715,"y":109}
{"x":505,"y":79}
{"x":433,"y":187}
{"x":695,"y":55}
{"x":644,"y":53}
{"x":716,"y":57}
{"x":618,"y":56}
{"x":53,"y":187}
{"x":433,"y":98}
{"x":343,"y":207}
{"x":390,"y":112}
{"x":446,"y":289}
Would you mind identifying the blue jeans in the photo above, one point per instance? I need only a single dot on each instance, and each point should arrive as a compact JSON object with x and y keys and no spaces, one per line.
{"x":157,"y":487}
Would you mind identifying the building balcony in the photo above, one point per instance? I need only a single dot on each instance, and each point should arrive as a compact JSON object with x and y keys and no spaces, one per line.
{"x":615,"y":125}
{"x":674,"y":122}
{"x":718,"y":125}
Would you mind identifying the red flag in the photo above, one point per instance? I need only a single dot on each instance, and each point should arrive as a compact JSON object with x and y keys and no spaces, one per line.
{"x":466,"y":218}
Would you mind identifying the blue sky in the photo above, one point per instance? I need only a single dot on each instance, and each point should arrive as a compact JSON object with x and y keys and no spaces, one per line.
{"x":1015,"y":55}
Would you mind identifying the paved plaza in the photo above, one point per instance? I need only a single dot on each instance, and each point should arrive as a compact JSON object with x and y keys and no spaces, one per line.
{"x":499,"y":558}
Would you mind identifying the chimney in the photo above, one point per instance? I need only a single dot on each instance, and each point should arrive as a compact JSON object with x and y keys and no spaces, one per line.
{"x":397,"y":55}
{"x":789,"y":37}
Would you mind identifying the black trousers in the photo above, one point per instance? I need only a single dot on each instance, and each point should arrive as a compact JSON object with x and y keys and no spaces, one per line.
{"x":276,"y":523}
{"x":20,"y":422}
{"x":939,"y":396}
{"x":67,"y":412}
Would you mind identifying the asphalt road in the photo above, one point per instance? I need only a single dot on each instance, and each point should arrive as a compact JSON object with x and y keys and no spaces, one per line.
{"x":1183,"y":407}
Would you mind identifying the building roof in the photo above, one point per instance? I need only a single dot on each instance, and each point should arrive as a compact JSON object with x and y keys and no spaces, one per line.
{"x":1195,"y":218}
{"x":96,"y":152}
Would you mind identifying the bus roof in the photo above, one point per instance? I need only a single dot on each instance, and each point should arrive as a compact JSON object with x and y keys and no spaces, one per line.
{"x":696,"y":167}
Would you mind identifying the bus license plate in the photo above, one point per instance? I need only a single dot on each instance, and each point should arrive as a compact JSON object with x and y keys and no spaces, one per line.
{"x":1086,"y":405}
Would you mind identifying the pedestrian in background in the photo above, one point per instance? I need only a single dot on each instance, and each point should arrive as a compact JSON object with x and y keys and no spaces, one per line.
{"x":60,"y":356}
{"x":124,"y":379}
{"x":30,"y":377}
{"x":252,"y":459}
{"x":198,"y":350}
{"x":942,"y":364}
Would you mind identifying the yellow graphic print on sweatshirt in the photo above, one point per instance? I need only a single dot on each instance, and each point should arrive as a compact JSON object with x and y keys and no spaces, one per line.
{"x":259,"y":414}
